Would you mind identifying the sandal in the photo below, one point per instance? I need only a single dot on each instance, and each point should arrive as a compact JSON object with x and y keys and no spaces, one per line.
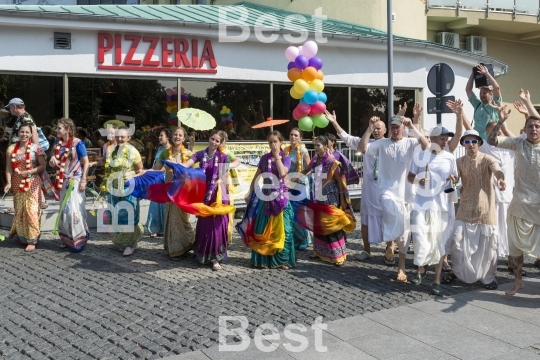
{"x":417,"y":280}
{"x":402,"y":280}
{"x":9,"y":211}
{"x":313,"y":256}
{"x":492,"y":285}
{"x":45,"y":205}
{"x":30,"y":248}
{"x":446,"y":267}
{"x":284,"y":267}
{"x":436,"y":289}
{"x":340,"y":263}
{"x":216,"y":266}
{"x":449,"y":278}
{"x":63,"y":246}
{"x":391,"y":261}
{"x":153,"y":235}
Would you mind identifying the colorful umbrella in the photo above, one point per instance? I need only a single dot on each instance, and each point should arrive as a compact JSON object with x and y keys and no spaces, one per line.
{"x":269,"y":123}
{"x":196,"y":119}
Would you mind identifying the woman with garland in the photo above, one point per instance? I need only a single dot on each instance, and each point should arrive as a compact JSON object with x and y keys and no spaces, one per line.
{"x":156,"y":211}
{"x":351,"y":175}
{"x":24,"y":162}
{"x":123,"y":162}
{"x":71,"y":163}
{"x":179,"y":235}
{"x":299,"y":161}
{"x":211,"y":232}
{"x":267,"y":224}
{"x":329,"y":211}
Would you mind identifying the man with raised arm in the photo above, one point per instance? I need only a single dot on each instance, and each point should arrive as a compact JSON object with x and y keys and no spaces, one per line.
{"x":524,"y":210}
{"x":395,"y":154}
{"x":483,"y":113}
{"x":370,"y":207}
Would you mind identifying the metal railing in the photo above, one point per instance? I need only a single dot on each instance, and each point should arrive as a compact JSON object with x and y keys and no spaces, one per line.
{"x":521,"y":7}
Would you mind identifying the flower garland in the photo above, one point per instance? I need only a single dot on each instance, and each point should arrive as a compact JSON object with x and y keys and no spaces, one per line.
{"x":214,"y":181}
{"x":281,"y":183}
{"x":298,"y":155}
{"x":182,"y":153}
{"x":25,"y":183}
{"x":116,"y":164}
{"x":316,"y":171}
{"x":61,"y":167}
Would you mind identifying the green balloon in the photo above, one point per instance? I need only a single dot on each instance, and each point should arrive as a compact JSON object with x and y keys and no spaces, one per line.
{"x":305,"y":123}
{"x":320,"y":121}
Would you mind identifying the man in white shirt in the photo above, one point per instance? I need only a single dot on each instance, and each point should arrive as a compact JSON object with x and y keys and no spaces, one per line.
{"x":523,"y":212}
{"x":370,"y":207}
{"x":431,"y":170}
{"x":395,"y":155}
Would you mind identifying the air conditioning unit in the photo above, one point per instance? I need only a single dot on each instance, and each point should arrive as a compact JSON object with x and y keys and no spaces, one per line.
{"x":448,"y":39}
{"x":477,"y":44}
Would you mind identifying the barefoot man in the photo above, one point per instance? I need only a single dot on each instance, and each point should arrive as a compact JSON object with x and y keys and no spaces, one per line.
{"x":524,"y":210}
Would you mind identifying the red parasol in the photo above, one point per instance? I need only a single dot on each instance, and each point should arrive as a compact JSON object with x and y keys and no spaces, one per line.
{"x":269,"y":123}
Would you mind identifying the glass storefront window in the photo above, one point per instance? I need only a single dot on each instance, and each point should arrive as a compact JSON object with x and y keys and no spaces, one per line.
{"x":93,"y":101}
{"x":42,"y":96}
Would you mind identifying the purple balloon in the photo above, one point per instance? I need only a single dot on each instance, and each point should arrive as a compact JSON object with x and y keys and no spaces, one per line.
{"x":184,"y":97}
{"x":174,"y":97}
{"x":301,"y":62}
{"x":316,"y":62}
{"x":168,"y":97}
{"x":291,"y":65}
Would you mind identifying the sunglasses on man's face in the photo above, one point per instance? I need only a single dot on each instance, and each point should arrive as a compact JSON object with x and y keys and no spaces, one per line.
{"x":467,"y":142}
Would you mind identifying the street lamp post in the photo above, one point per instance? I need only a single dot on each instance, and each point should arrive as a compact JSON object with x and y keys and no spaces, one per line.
{"x":390,"y":44}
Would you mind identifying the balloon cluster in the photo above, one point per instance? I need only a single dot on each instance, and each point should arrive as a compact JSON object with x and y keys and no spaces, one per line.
{"x":305,"y":72}
{"x":226,"y":118}
{"x":172,"y":103}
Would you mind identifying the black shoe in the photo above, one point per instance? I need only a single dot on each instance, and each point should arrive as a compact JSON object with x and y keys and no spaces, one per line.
{"x":417,"y":279}
{"x":436,"y":289}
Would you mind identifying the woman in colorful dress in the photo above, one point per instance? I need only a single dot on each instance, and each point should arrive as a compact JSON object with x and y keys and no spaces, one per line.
{"x":299,"y":162}
{"x":267,"y":224}
{"x":71,"y":163}
{"x":156,"y":211}
{"x":123,"y":162}
{"x":211,"y":232}
{"x":351,"y":175}
{"x":24,"y":162}
{"x":329,"y":206}
{"x":179,"y":236}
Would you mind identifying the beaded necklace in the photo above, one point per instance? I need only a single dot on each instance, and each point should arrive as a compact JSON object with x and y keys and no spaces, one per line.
{"x":281,"y":183}
{"x":25,"y":183}
{"x":213,"y":182}
{"x":61,"y":167}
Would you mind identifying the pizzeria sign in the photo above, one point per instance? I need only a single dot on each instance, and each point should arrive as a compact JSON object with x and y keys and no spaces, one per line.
{"x":125,"y":52}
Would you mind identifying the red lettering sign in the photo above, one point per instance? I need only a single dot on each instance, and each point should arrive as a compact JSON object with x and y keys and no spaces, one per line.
{"x":173,"y":54}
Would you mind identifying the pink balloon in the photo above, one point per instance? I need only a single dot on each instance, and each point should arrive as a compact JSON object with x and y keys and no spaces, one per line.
{"x":291,"y":53}
{"x":183,"y":91}
{"x":309,"y":49}
{"x":170,"y":92}
{"x":303,"y":109}
{"x":296,"y":115}
{"x":318,"y":108}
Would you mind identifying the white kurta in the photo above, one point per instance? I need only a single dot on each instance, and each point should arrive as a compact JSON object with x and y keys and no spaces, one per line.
{"x":370,"y":206}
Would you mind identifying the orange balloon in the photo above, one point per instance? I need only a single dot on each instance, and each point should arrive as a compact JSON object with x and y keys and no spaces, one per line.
{"x":309,"y":73}
{"x":294,"y":74}
{"x":171,"y":103}
{"x":320,"y":75}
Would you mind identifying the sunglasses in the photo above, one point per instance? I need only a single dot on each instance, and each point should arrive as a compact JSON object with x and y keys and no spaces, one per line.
{"x":467,"y":142}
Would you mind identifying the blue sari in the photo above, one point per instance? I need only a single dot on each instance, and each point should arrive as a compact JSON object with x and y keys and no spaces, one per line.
{"x":156,"y":212}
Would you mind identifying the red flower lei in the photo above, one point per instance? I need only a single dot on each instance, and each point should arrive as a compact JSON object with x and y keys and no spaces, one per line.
{"x":25,"y":183}
{"x":60,"y":168}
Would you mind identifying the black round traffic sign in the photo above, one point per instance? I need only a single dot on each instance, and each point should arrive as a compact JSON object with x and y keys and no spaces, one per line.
{"x":446,"y":76}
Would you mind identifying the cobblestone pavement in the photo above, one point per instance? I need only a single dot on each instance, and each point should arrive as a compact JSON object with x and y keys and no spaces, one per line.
{"x":99,"y":304}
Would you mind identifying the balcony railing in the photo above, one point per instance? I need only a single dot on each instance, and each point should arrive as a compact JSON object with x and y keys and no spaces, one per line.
{"x":521,"y":7}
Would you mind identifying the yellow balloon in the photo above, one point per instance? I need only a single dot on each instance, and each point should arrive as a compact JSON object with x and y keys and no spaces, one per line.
{"x":294,"y":94}
{"x":301,"y":86}
{"x":316,"y":85}
{"x":169,"y":108}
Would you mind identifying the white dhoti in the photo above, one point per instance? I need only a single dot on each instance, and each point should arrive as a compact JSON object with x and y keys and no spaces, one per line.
{"x":523,"y":237}
{"x":395,"y":221}
{"x":374,"y":225}
{"x":474,"y":252}
{"x":430,"y":235}
{"x":450,"y":228}
{"x":502,"y":213}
